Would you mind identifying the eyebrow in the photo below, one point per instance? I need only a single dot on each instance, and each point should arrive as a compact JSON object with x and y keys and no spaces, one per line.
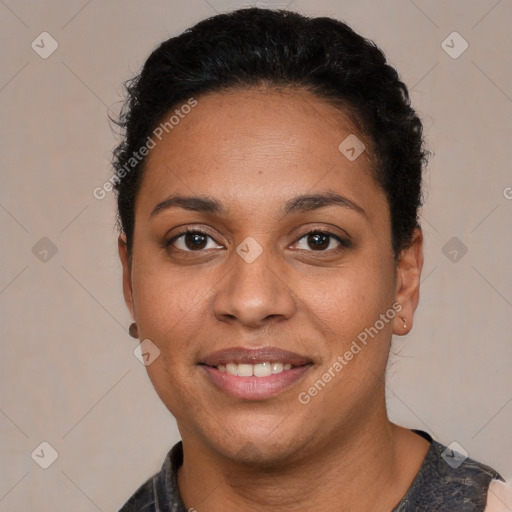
{"x":302,"y":203}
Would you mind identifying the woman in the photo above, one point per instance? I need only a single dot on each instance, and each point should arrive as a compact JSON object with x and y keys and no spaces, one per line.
{"x":269,"y":184}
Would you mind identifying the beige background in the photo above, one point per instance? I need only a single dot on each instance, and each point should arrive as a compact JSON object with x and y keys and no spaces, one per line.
{"x":69,"y":376}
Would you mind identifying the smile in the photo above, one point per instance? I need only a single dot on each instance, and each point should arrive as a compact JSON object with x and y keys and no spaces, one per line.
{"x":263,"y":369}
{"x":250,"y":373}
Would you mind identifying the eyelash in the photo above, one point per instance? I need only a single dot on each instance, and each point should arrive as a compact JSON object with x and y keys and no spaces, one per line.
{"x":344,"y":243}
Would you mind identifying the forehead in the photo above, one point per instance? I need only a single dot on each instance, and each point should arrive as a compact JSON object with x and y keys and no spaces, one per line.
{"x":256,"y":147}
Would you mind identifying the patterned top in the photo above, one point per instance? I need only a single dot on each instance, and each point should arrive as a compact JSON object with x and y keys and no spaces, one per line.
{"x":446,"y":482}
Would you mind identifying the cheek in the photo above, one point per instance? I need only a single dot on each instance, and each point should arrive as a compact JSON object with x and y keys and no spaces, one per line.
{"x":167,"y":310}
{"x":349,"y":299}
{"x":166,"y":302}
{"x":167,"y":307}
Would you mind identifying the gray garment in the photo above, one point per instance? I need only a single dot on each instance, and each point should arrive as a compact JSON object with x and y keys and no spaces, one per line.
{"x":439,"y":486}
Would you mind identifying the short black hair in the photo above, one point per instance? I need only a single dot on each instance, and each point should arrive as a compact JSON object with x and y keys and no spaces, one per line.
{"x":253,"y":47}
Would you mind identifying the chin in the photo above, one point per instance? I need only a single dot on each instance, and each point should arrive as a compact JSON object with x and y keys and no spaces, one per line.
{"x":258,"y":454}
{"x":259,"y":447}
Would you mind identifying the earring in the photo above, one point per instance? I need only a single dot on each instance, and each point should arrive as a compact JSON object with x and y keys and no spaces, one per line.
{"x":133,"y":331}
{"x":405,"y":321}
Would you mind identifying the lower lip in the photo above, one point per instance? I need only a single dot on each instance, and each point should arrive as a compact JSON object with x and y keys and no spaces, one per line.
{"x":255,"y":388}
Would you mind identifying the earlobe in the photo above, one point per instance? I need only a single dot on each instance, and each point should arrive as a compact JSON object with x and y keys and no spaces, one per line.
{"x":408,"y":270}
{"x":127,"y":274}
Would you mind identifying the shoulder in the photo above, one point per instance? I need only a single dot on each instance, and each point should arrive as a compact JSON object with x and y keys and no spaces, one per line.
{"x":159,"y":493}
{"x":448,"y":478}
{"x":499,"y":497}
{"x":143,"y":500}
{"x":456,"y":478}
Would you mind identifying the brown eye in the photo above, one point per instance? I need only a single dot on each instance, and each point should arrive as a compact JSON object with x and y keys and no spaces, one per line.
{"x":321,"y":241}
{"x":191,"y":241}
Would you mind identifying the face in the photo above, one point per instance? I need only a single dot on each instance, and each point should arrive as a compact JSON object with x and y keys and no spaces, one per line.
{"x":263,"y":280}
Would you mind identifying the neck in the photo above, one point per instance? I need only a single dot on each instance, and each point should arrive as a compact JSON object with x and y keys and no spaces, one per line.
{"x":367,"y":468}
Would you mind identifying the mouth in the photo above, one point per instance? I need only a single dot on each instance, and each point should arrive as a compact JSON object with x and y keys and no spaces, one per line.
{"x":254,"y":374}
{"x":263,"y":369}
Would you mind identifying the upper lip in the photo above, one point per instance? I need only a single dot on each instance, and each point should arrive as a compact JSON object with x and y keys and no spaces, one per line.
{"x":247,"y":355}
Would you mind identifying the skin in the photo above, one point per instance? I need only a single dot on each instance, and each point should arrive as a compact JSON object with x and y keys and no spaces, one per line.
{"x":253,"y":150}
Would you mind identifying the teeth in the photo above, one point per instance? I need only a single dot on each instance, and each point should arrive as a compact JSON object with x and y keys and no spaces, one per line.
{"x":277,"y":367}
{"x":262,"y":370}
{"x":258,"y":370}
{"x":245,"y":370}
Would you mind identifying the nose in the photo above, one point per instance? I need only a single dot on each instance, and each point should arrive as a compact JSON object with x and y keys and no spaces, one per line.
{"x":254,"y":292}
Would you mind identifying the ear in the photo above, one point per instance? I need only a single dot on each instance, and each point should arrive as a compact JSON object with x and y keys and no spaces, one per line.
{"x":409,"y":266}
{"x":127,"y":273}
